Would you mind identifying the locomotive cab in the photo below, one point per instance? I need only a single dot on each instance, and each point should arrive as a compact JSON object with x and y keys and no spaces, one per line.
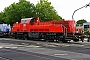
{"x":34,"y":20}
{"x":25,"y":21}
{"x":30,"y":21}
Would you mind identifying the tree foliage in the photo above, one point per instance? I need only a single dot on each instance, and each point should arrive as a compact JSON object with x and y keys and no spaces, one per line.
{"x":80,"y":22}
{"x":16,"y":11}
{"x":25,"y":9}
{"x":2,"y":16}
{"x":45,"y":11}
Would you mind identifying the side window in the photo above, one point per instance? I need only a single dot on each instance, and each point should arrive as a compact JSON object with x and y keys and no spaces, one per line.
{"x":33,"y":20}
{"x":86,"y":27}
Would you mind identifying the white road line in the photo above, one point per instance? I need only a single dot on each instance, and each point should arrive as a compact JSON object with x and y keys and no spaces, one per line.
{"x":60,"y":54}
{"x":57,"y":53}
{"x":32,"y":46}
{"x":1,"y":47}
{"x":23,"y":43}
{"x":10,"y":47}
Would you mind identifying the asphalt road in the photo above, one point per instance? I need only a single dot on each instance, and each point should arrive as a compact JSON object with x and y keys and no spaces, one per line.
{"x":13,"y":49}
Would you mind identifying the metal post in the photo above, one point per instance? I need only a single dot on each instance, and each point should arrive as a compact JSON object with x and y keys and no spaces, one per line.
{"x":79,"y":9}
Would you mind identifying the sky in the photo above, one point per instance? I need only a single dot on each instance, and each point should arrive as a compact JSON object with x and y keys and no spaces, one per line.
{"x":64,"y":8}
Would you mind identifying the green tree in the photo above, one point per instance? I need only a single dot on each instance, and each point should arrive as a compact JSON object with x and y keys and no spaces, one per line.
{"x":80,"y":22}
{"x":16,"y":11}
{"x":2,"y":16}
{"x":25,"y":9}
{"x":45,"y":11}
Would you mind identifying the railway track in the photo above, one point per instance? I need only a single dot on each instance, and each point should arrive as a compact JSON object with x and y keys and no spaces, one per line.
{"x":43,"y":43}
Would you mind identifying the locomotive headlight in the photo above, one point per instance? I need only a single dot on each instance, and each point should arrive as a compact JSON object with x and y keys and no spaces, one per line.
{"x":24,"y":24}
{"x":4,"y":33}
{"x":79,"y":36}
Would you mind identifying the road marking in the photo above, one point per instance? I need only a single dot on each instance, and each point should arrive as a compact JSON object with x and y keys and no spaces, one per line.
{"x":67,"y":45}
{"x":5,"y":58}
{"x":33,"y":46}
{"x":0,"y":57}
{"x":60,"y":54}
{"x":9,"y":47}
{"x":30,"y":54}
{"x":1,"y":47}
{"x":23,"y":43}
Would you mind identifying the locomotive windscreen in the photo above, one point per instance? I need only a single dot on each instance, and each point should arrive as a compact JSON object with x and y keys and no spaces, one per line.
{"x":24,"y":21}
{"x":33,"y":20}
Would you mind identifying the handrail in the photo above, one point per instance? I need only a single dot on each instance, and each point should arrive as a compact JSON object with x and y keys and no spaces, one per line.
{"x":65,"y":30}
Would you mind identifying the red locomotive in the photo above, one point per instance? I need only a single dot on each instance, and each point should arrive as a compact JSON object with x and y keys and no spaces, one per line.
{"x":30,"y":28}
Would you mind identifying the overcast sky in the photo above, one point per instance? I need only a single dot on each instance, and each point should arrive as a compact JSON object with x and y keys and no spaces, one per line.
{"x":65,"y":8}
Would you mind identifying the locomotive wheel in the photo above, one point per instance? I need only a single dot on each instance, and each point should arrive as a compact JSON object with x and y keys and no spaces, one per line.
{"x":87,"y":40}
{"x":76,"y":40}
{"x":15,"y":37}
{"x":59,"y":40}
{"x":64,"y":41}
{"x":46,"y":39}
{"x":25,"y":37}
